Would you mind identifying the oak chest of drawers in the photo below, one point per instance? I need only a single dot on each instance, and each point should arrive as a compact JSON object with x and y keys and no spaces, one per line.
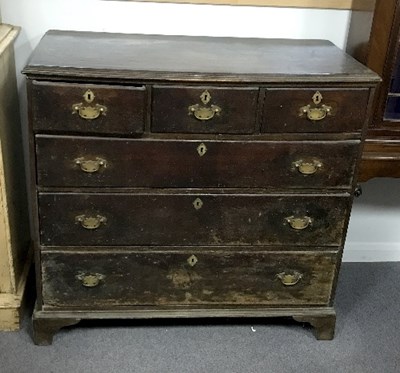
{"x":191,"y":176}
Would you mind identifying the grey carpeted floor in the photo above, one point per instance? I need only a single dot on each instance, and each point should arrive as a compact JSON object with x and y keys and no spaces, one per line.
{"x":367,"y":339}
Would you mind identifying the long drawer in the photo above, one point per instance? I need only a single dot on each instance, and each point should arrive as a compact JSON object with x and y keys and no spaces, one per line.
{"x":87,"y":108}
{"x":191,"y":219}
{"x":66,"y":161}
{"x":112,"y":279}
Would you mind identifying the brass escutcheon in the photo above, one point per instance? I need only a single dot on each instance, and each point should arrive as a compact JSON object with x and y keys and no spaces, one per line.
{"x":202,"y":149}
{"x":90,"y":222}
{"x":204,"y":113}
{"x":316,"y":112}
{"x":192,"y":260}
{"x":299,"y":223}
{"x":289,"y":279}
{"x":89,"y":112}
{"x":198,"y":203}
{"x":89,"y":165}
{"x":90,"y":280}
{"x":89,"y":96}
{"x":307,"y":167}
{"x":205,"y":97}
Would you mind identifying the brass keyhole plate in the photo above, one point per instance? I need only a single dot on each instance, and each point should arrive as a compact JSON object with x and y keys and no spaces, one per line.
{"x":89,"y":96}
{"x":202,"y":149}
{"x":198,"y":203}
{"x":205,"y":97}
{"x":192,"y":260}
{"x":317,"y":98}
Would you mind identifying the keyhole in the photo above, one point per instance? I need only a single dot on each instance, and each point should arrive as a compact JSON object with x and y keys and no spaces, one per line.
{"x":192,"y":260}
{"x":205,"y":97}
{"x":89,"y":96}
{"x":201,"y":149}
{"x":198,"y":203}
{"x":317,"y":98}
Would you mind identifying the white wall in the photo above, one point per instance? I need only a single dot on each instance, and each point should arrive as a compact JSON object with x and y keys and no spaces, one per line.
{"x":37,"y":16}
{"x":374,"y":232}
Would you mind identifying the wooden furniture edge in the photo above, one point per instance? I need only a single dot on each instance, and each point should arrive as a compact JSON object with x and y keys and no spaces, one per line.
{"x":380,"y":159}
{"x":47,"y":323}
{"x":313,"y":4}
{"x":11,"y":305}
{"x":8,"y":34}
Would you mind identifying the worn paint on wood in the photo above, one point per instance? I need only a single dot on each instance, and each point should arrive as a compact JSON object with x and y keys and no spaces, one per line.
{"x":166,"y":278}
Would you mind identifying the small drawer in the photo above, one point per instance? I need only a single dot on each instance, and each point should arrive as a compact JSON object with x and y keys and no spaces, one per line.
{"x":314,"y":110}
{"x":87,"y":108}
{"x":94,"y":162}
{"x":204,"y":109}
{"x":189,"y":277}
{"x":79,"y":219}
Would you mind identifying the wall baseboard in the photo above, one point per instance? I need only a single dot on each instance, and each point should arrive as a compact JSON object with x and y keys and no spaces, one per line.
{"x":371,"y":252}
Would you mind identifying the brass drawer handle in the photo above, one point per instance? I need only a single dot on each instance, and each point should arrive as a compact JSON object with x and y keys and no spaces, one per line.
{"x":307,"y":168}
{"x":289,"y":279}
{"x":90,"y":222}
{"x":89,"y":112}
{"x":204,"y":113}
{"x":316,"y":111}
{"x":90,"y":280}
{"x":89,"y":165}
{"x":299,"y":223}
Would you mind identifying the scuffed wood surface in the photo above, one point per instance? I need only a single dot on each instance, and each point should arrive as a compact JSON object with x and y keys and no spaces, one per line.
{"x":172,"y":219}
{"x":166,"y":278}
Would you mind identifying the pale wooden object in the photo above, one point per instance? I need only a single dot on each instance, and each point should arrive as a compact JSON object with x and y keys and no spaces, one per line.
{"x":319,"y":4}
{"x":14,"y":227}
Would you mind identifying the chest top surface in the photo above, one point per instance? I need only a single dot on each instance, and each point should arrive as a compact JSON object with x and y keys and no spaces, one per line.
{"x":192,"y":58}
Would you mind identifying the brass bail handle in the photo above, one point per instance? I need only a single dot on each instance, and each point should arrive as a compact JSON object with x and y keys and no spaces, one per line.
{"x":307,"y":167}
{"x":299,"y":223}
{"x":90,"y":165}
{"x":203,"y":112}
{"x":316,"y":111}
{"x":90,"y":280}
{"x":289,"y":278}
{"x":90,"y":222}
{"x":86,"y":111}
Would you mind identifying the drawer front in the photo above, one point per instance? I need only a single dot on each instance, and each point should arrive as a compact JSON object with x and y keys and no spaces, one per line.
{"x":95,"y":162}
{"x":87,"y":108}
{"x":116,"y":279}
{"x":204,"y":110}
{"x":312,"y":110}
{"x":191,"y":219}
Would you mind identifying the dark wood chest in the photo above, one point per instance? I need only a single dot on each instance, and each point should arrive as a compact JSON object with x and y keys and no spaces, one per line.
{"x":178,"y":176}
